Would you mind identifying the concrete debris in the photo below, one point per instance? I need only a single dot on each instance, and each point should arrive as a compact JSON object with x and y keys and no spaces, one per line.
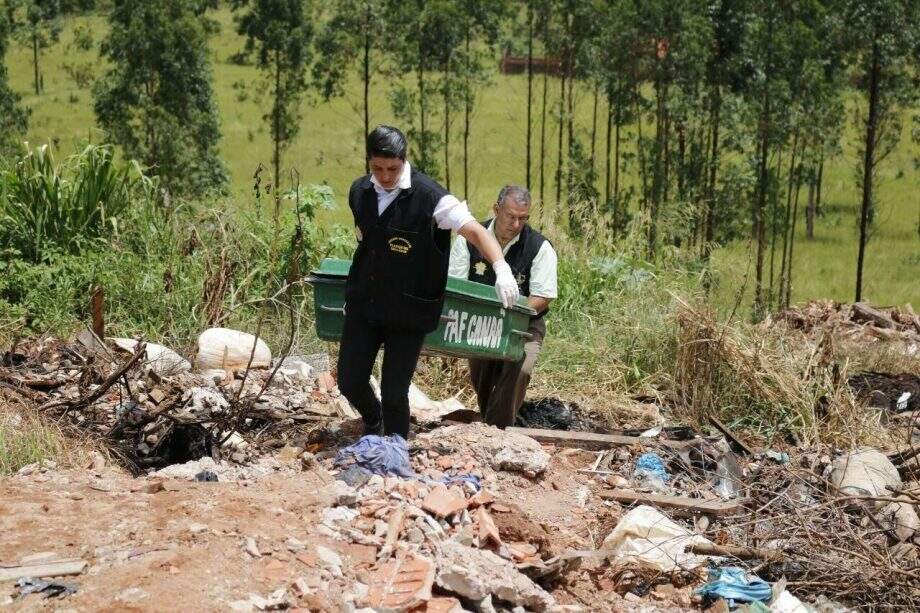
{"x":330,"y":559}
{"x":204,"y":402}
{"x":297,"y":369}
{"x":500,"y":449}
{"x":476,"y":574}
{"x":524,"y":456}
{"x":337,"y":493}
{"x":162,"y":360}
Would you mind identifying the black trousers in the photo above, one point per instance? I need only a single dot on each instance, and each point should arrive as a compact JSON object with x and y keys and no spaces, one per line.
{"x":361,"y":340}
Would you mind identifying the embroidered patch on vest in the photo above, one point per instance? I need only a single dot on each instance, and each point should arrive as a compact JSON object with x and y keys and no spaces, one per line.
{"x":520,"y":279}
{"x":399,"y":245}
{"x":480,"y":268}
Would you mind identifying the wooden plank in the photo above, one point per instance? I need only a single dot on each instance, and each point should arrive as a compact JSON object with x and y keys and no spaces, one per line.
{"x":866,"y":313}
{"x":731,"y":435}
{"x":590,"y":440}
{"x":60,"y":568}
{"x":682,"y":506}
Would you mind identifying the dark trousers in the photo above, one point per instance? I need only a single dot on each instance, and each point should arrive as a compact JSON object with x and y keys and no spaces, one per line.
{"x":361,"y":340}
{"x":501,"y":386}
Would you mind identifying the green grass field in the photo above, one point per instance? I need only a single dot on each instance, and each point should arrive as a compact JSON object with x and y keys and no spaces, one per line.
{"x":329,"y":149}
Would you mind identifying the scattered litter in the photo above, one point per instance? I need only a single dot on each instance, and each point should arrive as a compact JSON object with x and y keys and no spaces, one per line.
{"x":427,"y":411}
{"x":787,"y":603}
{"x":780,"y":457}
{"x":548,"y":413}
{"x":50,"y":589}
{"x":650,"y":472}
{"x":645,"y":536}
{"x":865,"y":472}
{"x":735,"y":585}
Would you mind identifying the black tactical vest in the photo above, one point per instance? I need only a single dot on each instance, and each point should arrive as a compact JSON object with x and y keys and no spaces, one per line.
{"x":399,"y":270}
{"x":519,"y":257}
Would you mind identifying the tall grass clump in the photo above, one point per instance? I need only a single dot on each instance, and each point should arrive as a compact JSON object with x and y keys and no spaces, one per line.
{"x":26,"y":439}
{"x":612,"y":331}
{"x":767,"y":383}
{"x":46,"y":206}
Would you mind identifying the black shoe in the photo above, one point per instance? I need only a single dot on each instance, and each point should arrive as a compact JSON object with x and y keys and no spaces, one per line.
{"x":376,"y":429}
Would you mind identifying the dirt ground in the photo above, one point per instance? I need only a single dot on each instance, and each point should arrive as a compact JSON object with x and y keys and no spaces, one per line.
{"x":181,"y":548}
{"x":157,"y":544}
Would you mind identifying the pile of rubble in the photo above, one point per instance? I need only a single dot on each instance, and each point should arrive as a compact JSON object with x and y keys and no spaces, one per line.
{"x":859,"y":321}
{"x":464,"y":516}
{"x":158,"y":408}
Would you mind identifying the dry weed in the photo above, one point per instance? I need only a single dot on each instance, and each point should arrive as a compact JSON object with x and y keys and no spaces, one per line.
{"x":26,"y":438}
{"x":769,"y":382}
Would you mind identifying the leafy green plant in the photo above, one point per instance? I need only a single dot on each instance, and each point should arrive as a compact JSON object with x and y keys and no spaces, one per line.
{"x":45,"y":205}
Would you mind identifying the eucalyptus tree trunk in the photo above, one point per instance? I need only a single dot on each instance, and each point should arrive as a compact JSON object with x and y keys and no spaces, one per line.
{"x":868,"y":165}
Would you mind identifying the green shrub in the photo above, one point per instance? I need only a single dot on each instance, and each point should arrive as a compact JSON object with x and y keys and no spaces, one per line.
{"x":47,"y":207}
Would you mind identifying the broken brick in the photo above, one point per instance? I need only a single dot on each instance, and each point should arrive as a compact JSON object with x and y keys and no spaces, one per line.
{"x":401,"y":584}
{"x":481,"y":498}
{"x":442,"y":502}
{"x":487,"y":530}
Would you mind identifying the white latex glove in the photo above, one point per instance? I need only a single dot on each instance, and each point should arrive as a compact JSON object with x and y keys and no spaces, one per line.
{"x":505,"y":286}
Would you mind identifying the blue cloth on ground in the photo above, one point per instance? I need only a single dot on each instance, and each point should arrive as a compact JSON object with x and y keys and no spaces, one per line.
{"x":735,"y":584}
{"x":381,"y":455}
{"x":651,"y":464}
{"x":386,"y":456}
{"x":450,"y":480}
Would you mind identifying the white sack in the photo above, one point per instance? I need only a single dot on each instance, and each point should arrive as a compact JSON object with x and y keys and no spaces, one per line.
{"x":222,"y":348}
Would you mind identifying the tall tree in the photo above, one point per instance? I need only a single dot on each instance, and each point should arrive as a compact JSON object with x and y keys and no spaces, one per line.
{"x":530,"y":36}
{"x":725,"y":76}
{"x":613,"y":65}
{"x":350,"y":36}
{"x":279,"y":33}
{"x":885,"y":40}
{"x":40,"y":28}
{"x":14,"y":119}
{"x":156,"y":99}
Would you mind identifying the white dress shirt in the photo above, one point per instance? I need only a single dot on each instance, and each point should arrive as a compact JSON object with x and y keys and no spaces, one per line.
{"x":542,"y":270}
{"x":450,"y":213}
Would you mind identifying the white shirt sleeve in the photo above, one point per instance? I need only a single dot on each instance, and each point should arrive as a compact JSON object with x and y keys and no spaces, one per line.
{"x":543,"y":272}
{"x":459,"y":259}
{"x":452,"y":214}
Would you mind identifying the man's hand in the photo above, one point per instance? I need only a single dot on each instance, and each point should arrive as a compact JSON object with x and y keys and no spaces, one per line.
{"x":505,"y":286}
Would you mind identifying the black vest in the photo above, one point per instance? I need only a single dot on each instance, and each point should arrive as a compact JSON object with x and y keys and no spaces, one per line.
{"x":519,"y":257}
{"x":399,"y":270}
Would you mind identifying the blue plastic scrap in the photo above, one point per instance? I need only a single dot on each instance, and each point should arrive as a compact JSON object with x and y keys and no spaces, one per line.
{"x":450,"y":480}
{"x":381,"y":455}
{"x":735,"y":584}
{"x":651,"y":464}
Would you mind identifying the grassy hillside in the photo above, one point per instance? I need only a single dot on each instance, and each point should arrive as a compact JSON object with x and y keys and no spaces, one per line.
{"x":329,"y":149}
